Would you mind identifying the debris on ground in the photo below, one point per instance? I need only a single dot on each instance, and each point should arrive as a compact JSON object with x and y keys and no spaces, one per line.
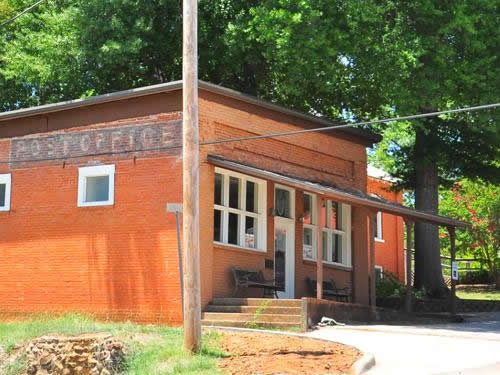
{"x":329,"y":322}
{"x":92,"y":354}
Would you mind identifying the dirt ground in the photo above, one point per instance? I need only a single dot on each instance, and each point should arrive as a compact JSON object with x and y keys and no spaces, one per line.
{"x":260,"y":354}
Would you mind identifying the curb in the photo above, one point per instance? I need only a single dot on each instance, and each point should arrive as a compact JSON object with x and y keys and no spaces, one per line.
{"x":362,"y":365}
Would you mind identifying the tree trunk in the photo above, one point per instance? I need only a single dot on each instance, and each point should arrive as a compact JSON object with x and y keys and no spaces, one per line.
{"x":428,"y":271}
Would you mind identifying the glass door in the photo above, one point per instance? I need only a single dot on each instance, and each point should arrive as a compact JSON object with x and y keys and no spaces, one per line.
{"x":284,"y":241}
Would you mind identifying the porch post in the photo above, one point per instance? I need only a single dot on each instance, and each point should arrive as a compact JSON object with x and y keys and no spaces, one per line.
{"x":372,"y":231}
{"x":319,"y":252}
{"x":409,"y":247}
{"x":453,"y":296}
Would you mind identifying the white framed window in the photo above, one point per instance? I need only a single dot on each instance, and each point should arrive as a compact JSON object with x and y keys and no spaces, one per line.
{"x":5,"y":187}
{"x":96,"y":186}
{"x":239,"y":210}
{"x":335,"y":223}
{"x":379,"y":273}
{"x":310,"y":226}
{"x":378,"y":228}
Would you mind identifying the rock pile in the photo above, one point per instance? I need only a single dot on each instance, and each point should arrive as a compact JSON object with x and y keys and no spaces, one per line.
{"x":96,"y":354}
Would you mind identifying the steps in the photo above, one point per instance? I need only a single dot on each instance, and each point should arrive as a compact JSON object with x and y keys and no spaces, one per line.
{"x":253,"y":313}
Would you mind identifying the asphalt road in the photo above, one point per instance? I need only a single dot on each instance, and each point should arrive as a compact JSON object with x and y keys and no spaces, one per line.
{"x":471,"y":348}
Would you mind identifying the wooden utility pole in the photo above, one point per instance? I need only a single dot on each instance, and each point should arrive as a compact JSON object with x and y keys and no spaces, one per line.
{"x":191,"y":178}
{"x":409,"y":247}
{"x":319,"y":252}
{"x":453,"y":295}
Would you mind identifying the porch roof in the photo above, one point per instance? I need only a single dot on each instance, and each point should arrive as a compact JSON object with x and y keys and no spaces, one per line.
{"x":351,"y":196}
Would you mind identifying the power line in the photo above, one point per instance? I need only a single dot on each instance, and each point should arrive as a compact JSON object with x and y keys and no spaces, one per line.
{"x":20,"y":14}
{"x":347,"y":125}
{"x":264,"y":136}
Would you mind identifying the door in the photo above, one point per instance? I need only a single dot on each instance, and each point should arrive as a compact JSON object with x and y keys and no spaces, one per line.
{"x":284,"y":242}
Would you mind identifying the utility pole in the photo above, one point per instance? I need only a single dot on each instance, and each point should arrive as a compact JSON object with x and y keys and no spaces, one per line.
{"x":191,"y":178}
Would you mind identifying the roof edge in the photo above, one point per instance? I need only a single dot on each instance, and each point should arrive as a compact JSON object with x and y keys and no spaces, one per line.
{"x":367,"y":135}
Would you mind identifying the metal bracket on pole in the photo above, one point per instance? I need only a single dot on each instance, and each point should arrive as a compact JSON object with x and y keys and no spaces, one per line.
{"x":177,"y":209}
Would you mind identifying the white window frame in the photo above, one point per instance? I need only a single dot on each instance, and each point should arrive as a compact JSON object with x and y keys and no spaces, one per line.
{"x":96,"y":171}
{"x":260,"y":215}
{"x":313,"y":227}
{"x":345,"y":234}
{"x":7,"y":180}
{"x":379,"y":234}
{"x":381,"y":271}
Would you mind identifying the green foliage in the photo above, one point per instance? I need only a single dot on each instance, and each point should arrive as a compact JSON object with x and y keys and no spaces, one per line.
{"x":390,"y":286}
{"x":476,"y":202}
{"x":258,"y":312}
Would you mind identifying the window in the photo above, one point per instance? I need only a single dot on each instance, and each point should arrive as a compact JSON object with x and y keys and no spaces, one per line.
{"x":378,"y":227}
{"x":335,"y":221}
{"x":310,"y":227}
{"x":379,"y":273}
{"x":5,"y":183}
{"x":284,"y":199}
{"x":239,"y":210}
{"x":96,"y":186}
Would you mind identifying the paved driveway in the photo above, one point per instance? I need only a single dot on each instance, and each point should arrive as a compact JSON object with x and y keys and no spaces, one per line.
{"x":471,"y":348}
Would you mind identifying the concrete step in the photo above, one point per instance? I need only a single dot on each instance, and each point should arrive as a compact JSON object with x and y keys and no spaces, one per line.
{"x":240,"y":324}
{"x":238,"y":317}
{"x":257,"y":302}
{"x":278,"y":310}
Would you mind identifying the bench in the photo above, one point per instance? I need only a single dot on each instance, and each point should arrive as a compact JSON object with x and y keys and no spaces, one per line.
{"x":329,"y":290}
{"x":251,"y":278}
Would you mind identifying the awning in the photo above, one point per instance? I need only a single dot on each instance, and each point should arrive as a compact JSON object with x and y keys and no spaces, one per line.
{"x":352,"y":197}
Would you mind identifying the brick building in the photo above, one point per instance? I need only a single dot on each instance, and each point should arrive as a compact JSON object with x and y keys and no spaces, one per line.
{"x":84,"y":186}
{"x":389,"y":234}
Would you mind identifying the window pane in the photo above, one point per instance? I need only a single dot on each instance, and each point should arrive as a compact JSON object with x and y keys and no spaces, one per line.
{"x":337,"y":247}
{"x":322,"y":215}
{"x":250,"y":231}
{"x":325,"y":246}
{"x":378,"y":227}
{"x":218,"y":225}
{"x":233,"y":229}
{"x":308,"y":209}
{"x":336,"y":216}
{"x":252,"y":197}
{"x":308,"y":243}
{"x":2,"y":195}
{"x":97,"y":189}
{"x":282,"y":203}
{"x":218,"y":188}
{"x":234,"y":192}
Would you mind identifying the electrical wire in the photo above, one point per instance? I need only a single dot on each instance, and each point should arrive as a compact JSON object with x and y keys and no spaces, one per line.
{"x":347,"y":125}
{"x":10,"y":20}
{"x":265,"y":136}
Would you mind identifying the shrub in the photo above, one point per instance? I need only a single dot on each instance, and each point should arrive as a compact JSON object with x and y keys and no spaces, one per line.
{"x":389,"y":286}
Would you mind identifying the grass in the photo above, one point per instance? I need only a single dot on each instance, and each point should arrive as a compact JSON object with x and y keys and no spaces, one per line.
{"x":483,"y":292}
{"x":150,"y":349}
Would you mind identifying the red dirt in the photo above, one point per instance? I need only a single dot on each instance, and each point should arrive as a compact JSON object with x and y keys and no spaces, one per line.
{"x":261,"y":354}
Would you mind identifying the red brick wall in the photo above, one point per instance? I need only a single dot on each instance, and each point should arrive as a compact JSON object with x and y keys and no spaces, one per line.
{"x":390,"y":253}
{"x":118,"y":260}
{"x":121,"y":260}
{"x":332,"y":160}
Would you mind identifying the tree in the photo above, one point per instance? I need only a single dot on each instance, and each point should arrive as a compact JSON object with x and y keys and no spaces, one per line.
{"x":455,"y":65}
{"x":478,"y":203}
{"x":355,"y":59}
